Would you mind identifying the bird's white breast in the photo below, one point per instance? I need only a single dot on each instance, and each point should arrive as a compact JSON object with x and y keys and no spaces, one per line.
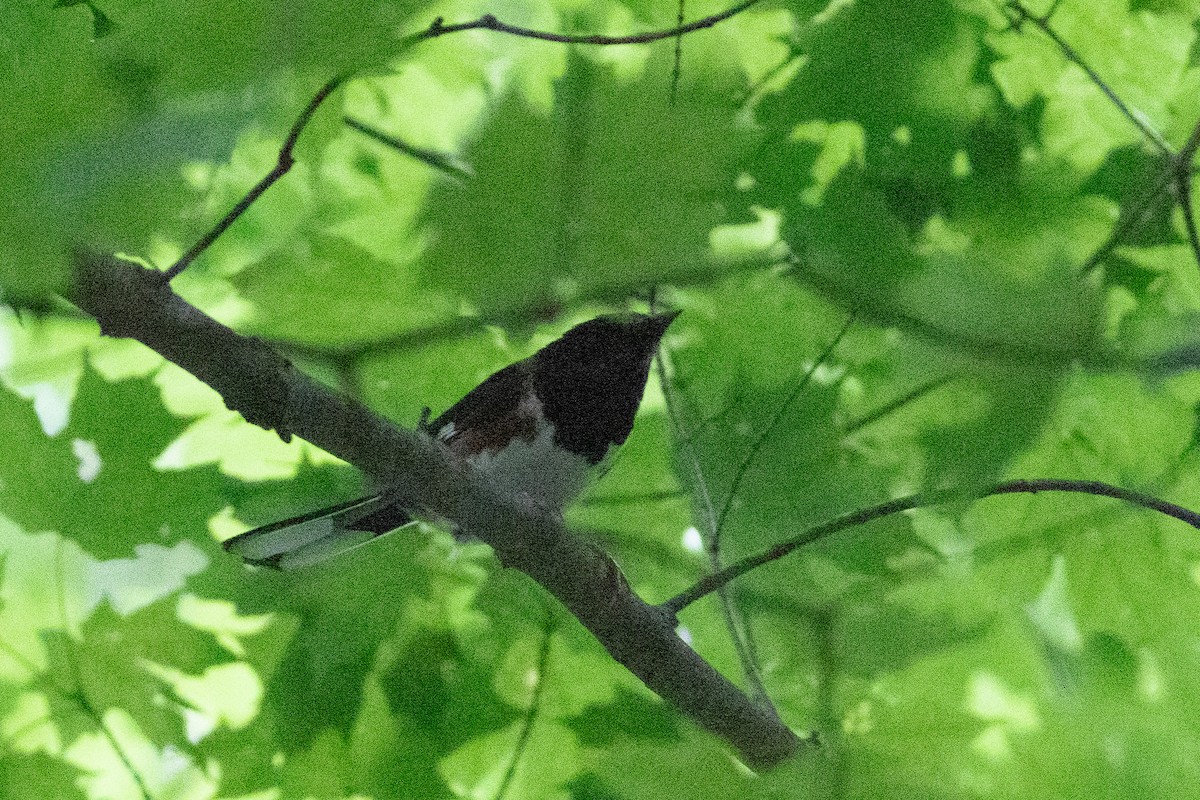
{"x":536,"y":468}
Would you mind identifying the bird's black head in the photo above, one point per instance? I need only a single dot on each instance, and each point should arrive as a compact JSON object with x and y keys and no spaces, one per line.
{"x":590,"y":381}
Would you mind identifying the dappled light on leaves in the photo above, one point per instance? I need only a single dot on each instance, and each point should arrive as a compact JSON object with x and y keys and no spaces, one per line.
{"x":924,"y":253}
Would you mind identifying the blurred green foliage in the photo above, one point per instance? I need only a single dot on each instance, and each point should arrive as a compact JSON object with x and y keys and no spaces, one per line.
{"x":930,"y":170}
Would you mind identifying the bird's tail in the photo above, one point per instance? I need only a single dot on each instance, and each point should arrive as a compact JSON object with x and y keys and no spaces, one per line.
{"x":313,"y":537}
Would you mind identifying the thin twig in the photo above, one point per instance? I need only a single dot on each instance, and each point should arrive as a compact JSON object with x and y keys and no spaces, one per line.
{"x":1184,"y":193}
{"x":9,"y":738}
{"x":677,"y":59}
{"x":739,"y":632}
{"x":632,"y":498}
{"x":490,"y":23}
{"x":443,"y":162}
{"x":770,"y":427}
{"x":747,"y":646}
{"x":852,"y":519}
{"x":535,"y":703}
{"x":286,"y":160}
{"x":1043,"y":24}
{"x":77,"y":695}
{"x":770,"y":75}
{"x":1188,"y":152}
{"x":80,"y":694}
{"x":889,"y":408}
{"x":283,"y":164}
{"x":1178,"y":171}
{"x":1136,"y":217}
{"x":1183,"y":188}
{"x":822,"y":622}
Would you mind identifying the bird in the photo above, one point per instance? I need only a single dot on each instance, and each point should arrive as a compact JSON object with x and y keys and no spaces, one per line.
{"x":539,"y":429}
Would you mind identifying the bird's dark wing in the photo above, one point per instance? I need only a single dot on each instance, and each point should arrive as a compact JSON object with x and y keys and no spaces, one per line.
{"x":490,"y":415}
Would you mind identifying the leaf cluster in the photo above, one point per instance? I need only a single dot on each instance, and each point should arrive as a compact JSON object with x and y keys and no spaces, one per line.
{"x":1012,"y":246}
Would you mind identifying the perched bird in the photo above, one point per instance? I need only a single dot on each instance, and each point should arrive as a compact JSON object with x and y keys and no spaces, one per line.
{"x":538,"y":428}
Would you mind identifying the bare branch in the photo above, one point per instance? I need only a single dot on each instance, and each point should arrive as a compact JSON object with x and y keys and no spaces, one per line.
{"x":852,"y":519}
{"x":539,"y":678}
{"x":1183,"y":188}
{"x":435,"y":30}
{"x":490,"y":23}
{"x":740,"y":633}
{"x":447,"y":163}
{"x":267,"y":390}
{"x":891,"y":407}
{"x":1042,"y":22}
{"x":1137,"y":216}
{"x":282,"y":165}
{"x":677,"y":56}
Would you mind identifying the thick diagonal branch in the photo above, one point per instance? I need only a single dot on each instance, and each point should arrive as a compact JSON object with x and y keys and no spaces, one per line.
{"x":267,"y":390}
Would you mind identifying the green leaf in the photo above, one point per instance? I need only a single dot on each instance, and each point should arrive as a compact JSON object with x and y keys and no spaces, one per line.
{"x":41,"y":773}
{"x":611,"y":205}
{"x":98,"y":466}
{"x":1021,"y":297}
{"x":103,"y":670}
